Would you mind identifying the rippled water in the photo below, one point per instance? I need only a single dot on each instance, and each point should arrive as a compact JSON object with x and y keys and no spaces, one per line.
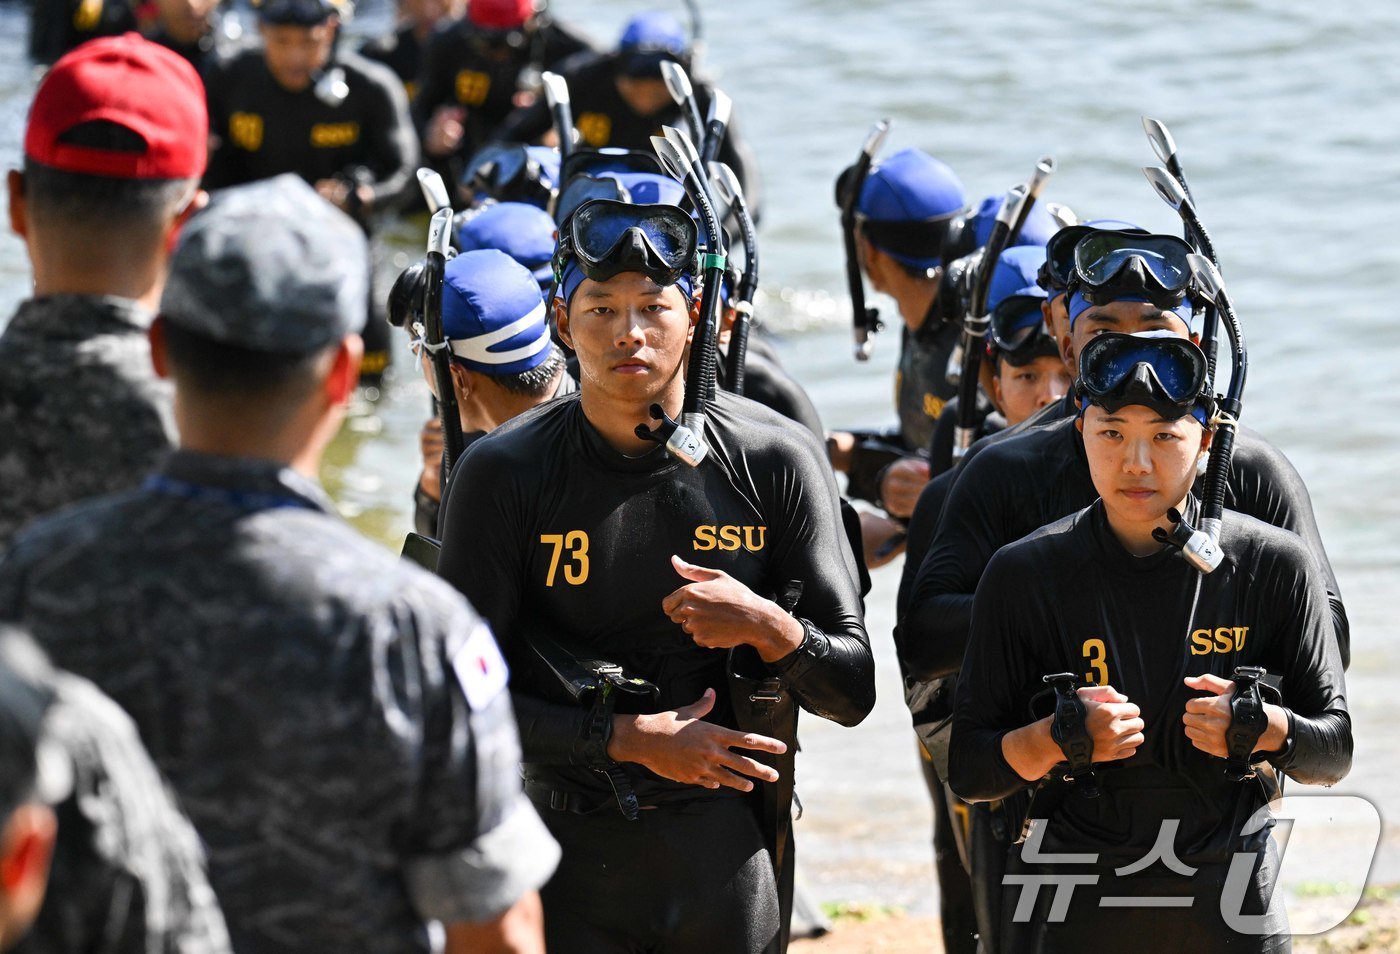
{"x":1288,"y":121}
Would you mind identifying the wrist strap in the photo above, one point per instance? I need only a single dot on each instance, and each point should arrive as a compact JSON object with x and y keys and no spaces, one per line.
{"x":1070,"y":733}
{"x":1247,"y":723}
{"x":599,"y":731}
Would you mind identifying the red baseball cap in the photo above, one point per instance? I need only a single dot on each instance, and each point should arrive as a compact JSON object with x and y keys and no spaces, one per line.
{"x":136,"y":84}
{"x":500,"y":14}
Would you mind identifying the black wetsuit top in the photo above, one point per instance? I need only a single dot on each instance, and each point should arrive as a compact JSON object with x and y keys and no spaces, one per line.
{"x":603,"y":118}
{"x":263,"y":130}
{"x":924,"y":521}
{"x":1070,"y":598}
{"x":986,"y":421}
{"x":401,"y":52}
{"x":770,"y":385}
{"x":1019,"y":485}
{"x":548,"y":528}
{"x":921,"y":390}
{"x":200,"y":54}
{"x":455,"y":72}
{"x":56,"y":26}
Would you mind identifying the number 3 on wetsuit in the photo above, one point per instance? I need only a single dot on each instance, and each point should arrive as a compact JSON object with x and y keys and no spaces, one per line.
{"x":576,"y":542}
{"x":1096,"y":654}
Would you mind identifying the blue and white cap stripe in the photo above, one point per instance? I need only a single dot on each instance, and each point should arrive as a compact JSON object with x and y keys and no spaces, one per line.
{"x":492,"y":314}
{"x":479,"y":349}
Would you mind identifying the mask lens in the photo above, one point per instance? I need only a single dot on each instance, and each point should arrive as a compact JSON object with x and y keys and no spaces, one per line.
{"x":1110,"y":360}
{"x":661,"y":243}
{"x":1015,"y":321}
{"x":1100,"y":256}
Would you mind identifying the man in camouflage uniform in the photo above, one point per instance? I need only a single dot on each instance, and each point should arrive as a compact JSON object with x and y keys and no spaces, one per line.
{"x":113,"y":152}
{"x":334,"y":720}
{"x":127,"y":871}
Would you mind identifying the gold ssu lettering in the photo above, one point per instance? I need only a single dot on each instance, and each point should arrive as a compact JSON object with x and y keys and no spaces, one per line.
{"x":729,"y":538}
{"x":1222,"y":640}
{"x":595,"y":128}
{"x":334,"y":135}
{"x":246,"y":131}
{"x":472,"y":87}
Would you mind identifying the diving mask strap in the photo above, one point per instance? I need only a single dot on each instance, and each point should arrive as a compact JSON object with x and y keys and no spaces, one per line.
{"x":1070,"y":732}
{"x":1247,"y":723}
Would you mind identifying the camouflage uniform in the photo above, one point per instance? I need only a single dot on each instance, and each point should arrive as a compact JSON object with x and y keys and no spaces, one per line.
{"x":334,"y":719}
{"x":81,"y":411}
{"x":128,"y":871}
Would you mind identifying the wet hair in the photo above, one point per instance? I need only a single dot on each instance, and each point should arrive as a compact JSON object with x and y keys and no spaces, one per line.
{"x":538,"y":382}
{"x":73,"y":199}
{"x":215,"y":369}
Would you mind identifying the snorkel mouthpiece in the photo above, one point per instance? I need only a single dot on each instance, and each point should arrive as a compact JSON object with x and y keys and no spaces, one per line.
{"x":681,"y":442}
{"x":1200,"y":548}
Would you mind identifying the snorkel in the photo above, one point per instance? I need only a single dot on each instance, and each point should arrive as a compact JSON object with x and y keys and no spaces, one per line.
{"x":726,"y":183}
{"x":679,"y":86}
{"x":435,"y":340}
{"x":865,"y":321}
{"x":716,"y":125}
{"x":1170,"y":184}
{"x":415,"y":303}
{"x":1202,"y":546}
{"x":684,"y":439}
{"x":556,"y":93}
{"x":1011,"y":217}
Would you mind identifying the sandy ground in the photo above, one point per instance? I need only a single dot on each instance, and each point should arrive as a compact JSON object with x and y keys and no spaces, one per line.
{"x":1373,"y":928}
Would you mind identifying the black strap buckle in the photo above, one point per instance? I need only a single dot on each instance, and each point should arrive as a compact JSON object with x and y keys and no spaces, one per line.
{"x":1068,"y":730}
{"x":1247,"y":723}
{"x":596,"y":750}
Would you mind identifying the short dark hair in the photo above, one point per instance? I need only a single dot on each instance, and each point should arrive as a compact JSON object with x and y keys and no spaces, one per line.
{"x":73,"y":198}
{"x":539,"y":381}
{"x":216,"y":369}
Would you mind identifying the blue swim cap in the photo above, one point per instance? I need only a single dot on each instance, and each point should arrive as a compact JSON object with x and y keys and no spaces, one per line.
{"x":522,"y":231}
{"x":492,"y":314}
{"x":1040,"y":224}
{"x":911,"y":186}
{"x":646,"y":188}
{"x":1078,"y":305}
{"x":573,"y":277}
{"x":654,"y":31}
{"x":1015,"y":274}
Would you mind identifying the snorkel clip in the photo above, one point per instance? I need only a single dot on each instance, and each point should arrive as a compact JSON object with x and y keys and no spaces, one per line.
{"x":681,"y":442}
{"x":1201,"y":548}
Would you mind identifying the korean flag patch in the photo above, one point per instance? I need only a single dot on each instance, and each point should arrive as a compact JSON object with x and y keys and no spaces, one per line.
{"x":480,"y":668}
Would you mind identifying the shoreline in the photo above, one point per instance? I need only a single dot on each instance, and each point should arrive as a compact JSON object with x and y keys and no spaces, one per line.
{"x":1372,"y":928}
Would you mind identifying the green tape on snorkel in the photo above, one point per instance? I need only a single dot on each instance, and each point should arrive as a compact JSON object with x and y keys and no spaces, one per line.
{"x":713,"y":261}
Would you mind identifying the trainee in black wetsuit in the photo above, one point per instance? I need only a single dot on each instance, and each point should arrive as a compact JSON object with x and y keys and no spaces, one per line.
{"x":603,"y":118}
{"x":1070,"y":598}
{"x":921,"y":392}
{"x":57,"y":26}
{"x":263,"y":130}
{"x":550,"y":529}
{"x":1019,"y":485}
{"x":456,"y":71}
{"x":929,"y":508}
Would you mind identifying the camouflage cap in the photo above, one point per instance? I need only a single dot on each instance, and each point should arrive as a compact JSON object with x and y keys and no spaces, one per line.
{"x":270,"y":266}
